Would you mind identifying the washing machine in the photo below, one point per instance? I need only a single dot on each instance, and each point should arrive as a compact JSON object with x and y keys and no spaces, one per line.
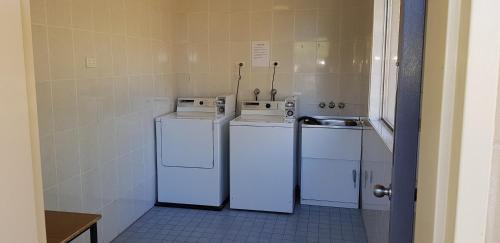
{"x":193,"y":151}
{"x":262,"y":156}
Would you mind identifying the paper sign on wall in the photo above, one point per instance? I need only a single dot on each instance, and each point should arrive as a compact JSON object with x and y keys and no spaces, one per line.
{"x":260,"y":53}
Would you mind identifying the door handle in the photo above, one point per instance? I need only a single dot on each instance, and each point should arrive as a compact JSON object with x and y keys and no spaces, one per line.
{"x":381,"y":191}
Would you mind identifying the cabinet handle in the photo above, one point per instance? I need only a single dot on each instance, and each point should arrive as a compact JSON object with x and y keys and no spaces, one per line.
{"x":366,"y":177}
{"x":354,"y":176}
{"x":371,"y":177}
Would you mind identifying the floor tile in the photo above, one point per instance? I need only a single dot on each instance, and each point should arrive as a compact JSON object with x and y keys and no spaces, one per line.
{"x":307,"y":224}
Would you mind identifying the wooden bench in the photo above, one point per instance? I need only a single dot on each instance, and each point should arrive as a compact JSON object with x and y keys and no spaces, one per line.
{"x":66,"y":226}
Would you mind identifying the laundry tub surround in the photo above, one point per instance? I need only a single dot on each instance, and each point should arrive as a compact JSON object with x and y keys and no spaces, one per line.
{"x":192,"y":152}
{"x":330,"y":161}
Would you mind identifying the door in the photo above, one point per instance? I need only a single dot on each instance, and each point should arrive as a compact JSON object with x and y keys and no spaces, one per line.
{"x":330,"y":182}
{"x":407,"y":121}
{"x":396,"y":223}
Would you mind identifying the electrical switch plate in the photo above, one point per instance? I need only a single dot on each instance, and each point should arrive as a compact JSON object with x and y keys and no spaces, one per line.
{"x":91,"y":62}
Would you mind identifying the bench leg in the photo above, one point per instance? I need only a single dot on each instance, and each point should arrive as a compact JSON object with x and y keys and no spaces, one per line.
{"x":93,"y":233}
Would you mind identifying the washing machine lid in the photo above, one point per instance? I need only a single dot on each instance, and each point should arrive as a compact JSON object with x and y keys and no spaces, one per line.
{"x":193,"y":115}
{"x":261,"y":120}
{"x":187,"y":141}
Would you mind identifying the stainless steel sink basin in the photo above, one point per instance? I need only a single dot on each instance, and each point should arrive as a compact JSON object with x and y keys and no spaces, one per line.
{"x":332,"y":122}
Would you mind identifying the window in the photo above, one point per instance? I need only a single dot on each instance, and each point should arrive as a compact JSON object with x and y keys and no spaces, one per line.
{"x":390,"y":68}
{"x":384,"y":68}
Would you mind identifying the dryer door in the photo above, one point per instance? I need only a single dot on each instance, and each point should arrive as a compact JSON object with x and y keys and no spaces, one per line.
{"x":187,"y":143}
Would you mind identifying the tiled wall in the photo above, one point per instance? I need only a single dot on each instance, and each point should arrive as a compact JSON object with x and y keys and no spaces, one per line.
{"x":323,"y":47}
{"x":376,"y":168}
{"x":96,"y":124}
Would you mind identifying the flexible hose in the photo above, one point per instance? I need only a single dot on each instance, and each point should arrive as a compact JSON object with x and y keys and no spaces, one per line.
{"x":238,"y":86}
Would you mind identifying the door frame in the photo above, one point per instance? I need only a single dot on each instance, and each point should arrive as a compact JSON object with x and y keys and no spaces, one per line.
{"x":20,"y":17}
{"x":407,"y":120}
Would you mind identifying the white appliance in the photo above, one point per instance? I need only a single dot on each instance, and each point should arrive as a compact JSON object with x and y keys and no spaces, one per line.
{"x":330,"y":164}
{"x":262,"y":156}
{"x":192,"y":152}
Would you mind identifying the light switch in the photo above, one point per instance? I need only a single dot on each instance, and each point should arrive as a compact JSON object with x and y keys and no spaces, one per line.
{"x":91,"y":62}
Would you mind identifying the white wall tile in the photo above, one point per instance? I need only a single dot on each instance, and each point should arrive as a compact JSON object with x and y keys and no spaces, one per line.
{"x":240,"y":26}
{"x":44,"y":108}
{"x":47,"y":152}
{"x":283,"y":25}
{"x":51,"y":198}
{"x":305,"y":25}
{"x":91,"y":188}
{"x":88,"y":142}
{"x":38,"y":11}
{"x":40,"y":52}
{"x":70,"y":194}
{"x":67,"y":160}
{"x":59,"y":12}
{"x":82,"y":14}
{"x":109,"y":182}
{"x":61,"y":52}
{"x":97,"y":123}
{"x":64,"y":104}
{"x":261,"y":25}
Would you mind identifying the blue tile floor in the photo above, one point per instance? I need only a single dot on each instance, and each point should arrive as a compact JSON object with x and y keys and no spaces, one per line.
{"x":307,"y":224}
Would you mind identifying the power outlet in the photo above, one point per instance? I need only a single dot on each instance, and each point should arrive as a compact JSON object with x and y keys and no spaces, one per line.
{"x":275,"y":64}
{"x":91,"y":62}
{"x":242,"y":64}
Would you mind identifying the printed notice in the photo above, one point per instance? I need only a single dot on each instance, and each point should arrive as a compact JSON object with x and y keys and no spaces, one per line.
{"x":260,"y":53}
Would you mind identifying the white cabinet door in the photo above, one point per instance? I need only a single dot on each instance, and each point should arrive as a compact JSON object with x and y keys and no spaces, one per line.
{"x":330,"y":180}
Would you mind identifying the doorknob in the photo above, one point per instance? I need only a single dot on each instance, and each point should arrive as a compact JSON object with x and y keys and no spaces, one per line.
{"x":381,"y":191}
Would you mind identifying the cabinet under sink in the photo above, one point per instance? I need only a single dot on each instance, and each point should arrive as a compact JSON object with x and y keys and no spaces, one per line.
{"x":330,"y":163}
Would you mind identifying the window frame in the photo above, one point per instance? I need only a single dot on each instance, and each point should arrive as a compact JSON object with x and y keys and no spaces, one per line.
{"x":390,"y":72}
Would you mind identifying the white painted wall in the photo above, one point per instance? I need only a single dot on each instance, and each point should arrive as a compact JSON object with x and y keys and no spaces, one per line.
{"x":20,"y":198}
{"x":479,"y":108}
{"x":459,"y":101}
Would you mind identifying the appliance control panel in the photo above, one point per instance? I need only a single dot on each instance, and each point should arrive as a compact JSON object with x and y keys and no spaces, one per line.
{"x":220,"y":105}
{"x":225,"y":105}
{"x":290,"y":109}
{"x":195,"y":102}
{"x":287,"y":108}
{"x":261,"y":105}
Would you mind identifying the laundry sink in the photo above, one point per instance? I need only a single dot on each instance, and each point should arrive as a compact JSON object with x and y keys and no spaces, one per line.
{"x":337,"y":122}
